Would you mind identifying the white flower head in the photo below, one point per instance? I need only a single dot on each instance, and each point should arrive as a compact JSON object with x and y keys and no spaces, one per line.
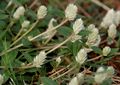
{"x":78,"y":26}
{"x":100,"y":75}
{"x":25,"y":24}
{"x":1,"y":79}
{"x":92,"y":37}
{"x":19,"y":12}
{"x":81,"y":56}
{"x":106,"y":50}
{"x":78,"y":80}
{"x":39,"y":59}
{"x":58,"y":60}
{"x":108,"y":19}
{"x":71,"y":12}
{"x":42,"y":12}
{"x":112,"y":31}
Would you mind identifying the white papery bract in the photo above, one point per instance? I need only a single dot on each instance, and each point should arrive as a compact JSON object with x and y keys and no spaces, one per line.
{"x":78,"y":26}
{"x":39,"y":59}
{"x":1,"y":79}
{"x":112,"y":31}
{"x":81,"y":56}
{"x":108,"y":19}
{"x":71,"y":12}
{"x":25,"y":24}
{"x":100,"y":75}
{"x":42,"y":12}
{"x":78,"y":80}
{"x":106,"y":50}
{"x":19,"y":12}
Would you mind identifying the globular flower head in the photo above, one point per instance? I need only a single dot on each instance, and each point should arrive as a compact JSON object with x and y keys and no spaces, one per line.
{"x":25,"y":24}
{"x":78,"y":26}
{"x":106,"y":51}
{"x":19,"y":12}
{"x":117,"y":18}
{"x":81,"y":56}
{"x":78,"y":80}
{"x":71,"y":12}
{"x":112,"y":31}
{"x":42,"y":12}
{"x":100,"y":75}
{"x":39,"y":59}
{"x":1,"y":79}
{"x":108,"y":19}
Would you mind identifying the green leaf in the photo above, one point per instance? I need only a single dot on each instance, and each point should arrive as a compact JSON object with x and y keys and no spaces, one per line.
{"x":3,"y":16}
{"x":65,"y":31}
{"x":48,"y":81}
{"x":113,"y":51}
{"x":97,"y":50}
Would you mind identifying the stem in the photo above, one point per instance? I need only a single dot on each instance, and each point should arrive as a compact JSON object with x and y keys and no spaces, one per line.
{"x":60,"y":44}
{"x":65,"y":73}
{"x":63,"y":22}
{"x":19,"y":33}
{"x":33,"y":26}
{"x":100,"y":4}
{"x":95,"y":58}
{"x":8,"y":27}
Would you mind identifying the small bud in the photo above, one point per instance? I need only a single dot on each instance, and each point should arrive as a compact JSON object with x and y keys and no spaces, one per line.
{"x":19,"y":12}
{"x":112,"y":31}
{"x":39,"y":59}
{"x":81,"y":56}
{"x":58,"y":60}
{"x":110,"y":71}
{"x":108,"y":19}
{"x":25,"y":24}
{"x":100,"y":75}
{"x":42,"y":12}
{"x":106,"y":51}
{"x":1,"y":79}
{"x":78,"y":80}
{"x":78,"y":26}
{"x":71,"y":12}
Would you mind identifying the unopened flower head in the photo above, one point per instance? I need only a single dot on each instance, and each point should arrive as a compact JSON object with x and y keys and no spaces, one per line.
{"x":91,"y":27}
{"x":81,"y":56}
{"x":19,"y":12}
{"x":78,"y":80}
{"x":106,"y":51}
{"x":78,"y":26}
{"x":39,"y":59}
{"x":1,"y":79}
{"x":58,"y":60}
{"x":50,"y":27}
{"x":112,"y":31}
{"x":42,"y":12}
{"x":71,"y":12}
{"x":108,"y":19}
{"x":110,"y":71}
{"x":25,"y":24}
{"x":100,"y":75}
